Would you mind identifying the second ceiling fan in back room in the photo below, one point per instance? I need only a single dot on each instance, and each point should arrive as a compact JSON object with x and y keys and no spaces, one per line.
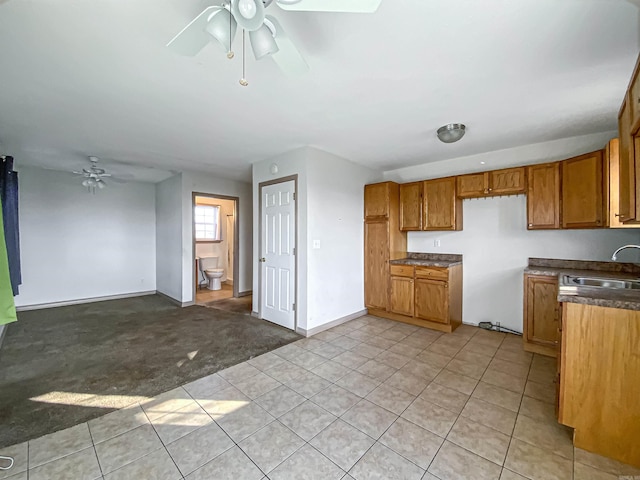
{"x":266,"y":35}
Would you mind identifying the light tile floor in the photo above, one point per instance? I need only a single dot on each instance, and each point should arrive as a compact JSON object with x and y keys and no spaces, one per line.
{"x":369,"y":399}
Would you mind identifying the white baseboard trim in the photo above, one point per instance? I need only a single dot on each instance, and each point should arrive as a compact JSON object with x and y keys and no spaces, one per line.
{"x":79,"y":301}
{"x":255,"y":314}
{"x":175,"y":301}
{"x":187,"y":304}
{"x":246,"y":293}
{"x":333,"y":323}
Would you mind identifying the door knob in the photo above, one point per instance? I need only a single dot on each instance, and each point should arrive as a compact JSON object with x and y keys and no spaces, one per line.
{"x":262,"y":260}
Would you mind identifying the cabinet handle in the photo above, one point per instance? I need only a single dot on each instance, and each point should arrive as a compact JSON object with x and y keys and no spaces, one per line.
{"x":490,"y":189}
{"x":531,"y":224}
{"x":619,"y":215}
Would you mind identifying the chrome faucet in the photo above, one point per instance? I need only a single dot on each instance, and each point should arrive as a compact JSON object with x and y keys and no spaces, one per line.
{"x":614,"y":257}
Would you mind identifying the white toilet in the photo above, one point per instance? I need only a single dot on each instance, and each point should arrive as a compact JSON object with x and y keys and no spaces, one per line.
{"x":209,"y":268}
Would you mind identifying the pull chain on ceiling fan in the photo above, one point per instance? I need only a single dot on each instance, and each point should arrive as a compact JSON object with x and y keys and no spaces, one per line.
{"x":266,"y":35}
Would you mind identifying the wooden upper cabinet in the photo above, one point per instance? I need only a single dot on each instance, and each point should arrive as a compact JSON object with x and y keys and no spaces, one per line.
{"x":411,"y":206}
{"x":582,"y":191}
{"x":442,"y":208}
{"x":613,"y":218}
{"x":541,"y":314}
{"x":627,"y":177}
{"x":634,"y":99}
{"x":473,"y":185}
{"x":376,"y":200}
{"x":376,"y":266}
{"x":543,"y":196}
{"x":510,"y":181}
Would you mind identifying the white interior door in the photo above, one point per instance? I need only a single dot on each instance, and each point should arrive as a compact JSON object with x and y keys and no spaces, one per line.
{"x":277,"y":244}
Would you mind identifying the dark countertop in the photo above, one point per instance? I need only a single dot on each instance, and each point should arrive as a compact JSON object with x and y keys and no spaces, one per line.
{"x":429,"y":259}
{"x":603,"y":297}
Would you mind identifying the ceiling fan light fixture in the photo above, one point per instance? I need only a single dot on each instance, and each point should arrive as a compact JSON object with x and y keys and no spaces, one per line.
{"x":262,"y":42}
{"x":451,"y":132}
{"x":222,"y":27}
{"x":248,"y":13}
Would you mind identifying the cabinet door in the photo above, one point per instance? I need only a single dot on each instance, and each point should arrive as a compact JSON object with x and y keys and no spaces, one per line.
{"x":472,"y":186}
{"x":543,"y":196}
{"x":401,"y":296}
{"x":411,"y":206}
{"x":627,"y":180}
{"x":376,"y":265}
{"x":582,"y":202}
{"x":442,"y":209}
{"x":432,"y":300}
{"x":541,"y":312}
{"x":509,"y":181}
{"x":376,"y":200}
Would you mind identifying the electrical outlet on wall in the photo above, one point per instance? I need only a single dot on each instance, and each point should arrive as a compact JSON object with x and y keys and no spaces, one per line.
{"x":316,"y":244}
{"x":436,"y":242}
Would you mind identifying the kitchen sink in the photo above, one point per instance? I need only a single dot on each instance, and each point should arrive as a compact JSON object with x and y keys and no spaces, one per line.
{"x":601,"y":282}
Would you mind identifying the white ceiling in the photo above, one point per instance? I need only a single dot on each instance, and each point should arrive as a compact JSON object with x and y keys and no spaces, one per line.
{"x":94,"y":78}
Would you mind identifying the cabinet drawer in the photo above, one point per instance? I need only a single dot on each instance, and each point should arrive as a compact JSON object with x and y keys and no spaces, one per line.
{"x":437,"y":273}
{"x":401,"y":270}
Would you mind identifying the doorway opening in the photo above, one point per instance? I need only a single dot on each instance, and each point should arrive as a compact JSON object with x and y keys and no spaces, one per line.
{"x":215,"y":247}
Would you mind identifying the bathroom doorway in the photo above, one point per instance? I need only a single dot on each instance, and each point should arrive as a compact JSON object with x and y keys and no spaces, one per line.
{"x":215,"y":247}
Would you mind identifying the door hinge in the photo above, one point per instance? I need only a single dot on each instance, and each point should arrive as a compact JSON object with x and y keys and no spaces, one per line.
{"x":293,"y":307}
{"x":294,"y":195}
{"x":294,"y":250}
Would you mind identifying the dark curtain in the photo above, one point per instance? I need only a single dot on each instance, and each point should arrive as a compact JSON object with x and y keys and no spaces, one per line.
{"x":9,"y":198}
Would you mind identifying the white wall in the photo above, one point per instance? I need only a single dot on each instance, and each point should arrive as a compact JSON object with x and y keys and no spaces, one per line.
{"x":330,"y":208}
{"x":202,"y":183}
{"x":335,"y":217}
{"x":289,"y":163}
{"x":169,"y":237}
{"x":496,"y":245}
{"x":75,"y":245}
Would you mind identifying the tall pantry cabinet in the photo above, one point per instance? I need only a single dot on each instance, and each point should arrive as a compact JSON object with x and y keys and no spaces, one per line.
{"x":383,"y":240}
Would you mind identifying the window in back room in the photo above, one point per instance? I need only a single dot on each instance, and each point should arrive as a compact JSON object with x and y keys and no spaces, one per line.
{"x":207,"y":223}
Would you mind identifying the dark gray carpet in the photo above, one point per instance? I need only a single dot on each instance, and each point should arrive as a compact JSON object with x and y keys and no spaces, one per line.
{"x":235,"y":305}
{"x":66,"y":365}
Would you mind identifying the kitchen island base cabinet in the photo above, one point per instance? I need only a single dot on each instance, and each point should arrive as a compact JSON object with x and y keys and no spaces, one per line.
{"x":600,"y":380}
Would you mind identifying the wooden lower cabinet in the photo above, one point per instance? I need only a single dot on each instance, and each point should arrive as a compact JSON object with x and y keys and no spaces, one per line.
{"x":401,"y":295}
{"x":541,"y":314}
{"x":426,"y":296}
{"x":432,"y":300}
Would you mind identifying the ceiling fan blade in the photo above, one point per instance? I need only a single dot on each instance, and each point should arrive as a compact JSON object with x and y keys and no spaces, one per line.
{"x":288,"y":58}
{"x":343,"y":6}
{"x":193,"y":37}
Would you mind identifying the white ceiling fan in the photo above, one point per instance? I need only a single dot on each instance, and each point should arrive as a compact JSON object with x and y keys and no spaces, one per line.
{"x":266,"y":35}
{"x":93,"y":177}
